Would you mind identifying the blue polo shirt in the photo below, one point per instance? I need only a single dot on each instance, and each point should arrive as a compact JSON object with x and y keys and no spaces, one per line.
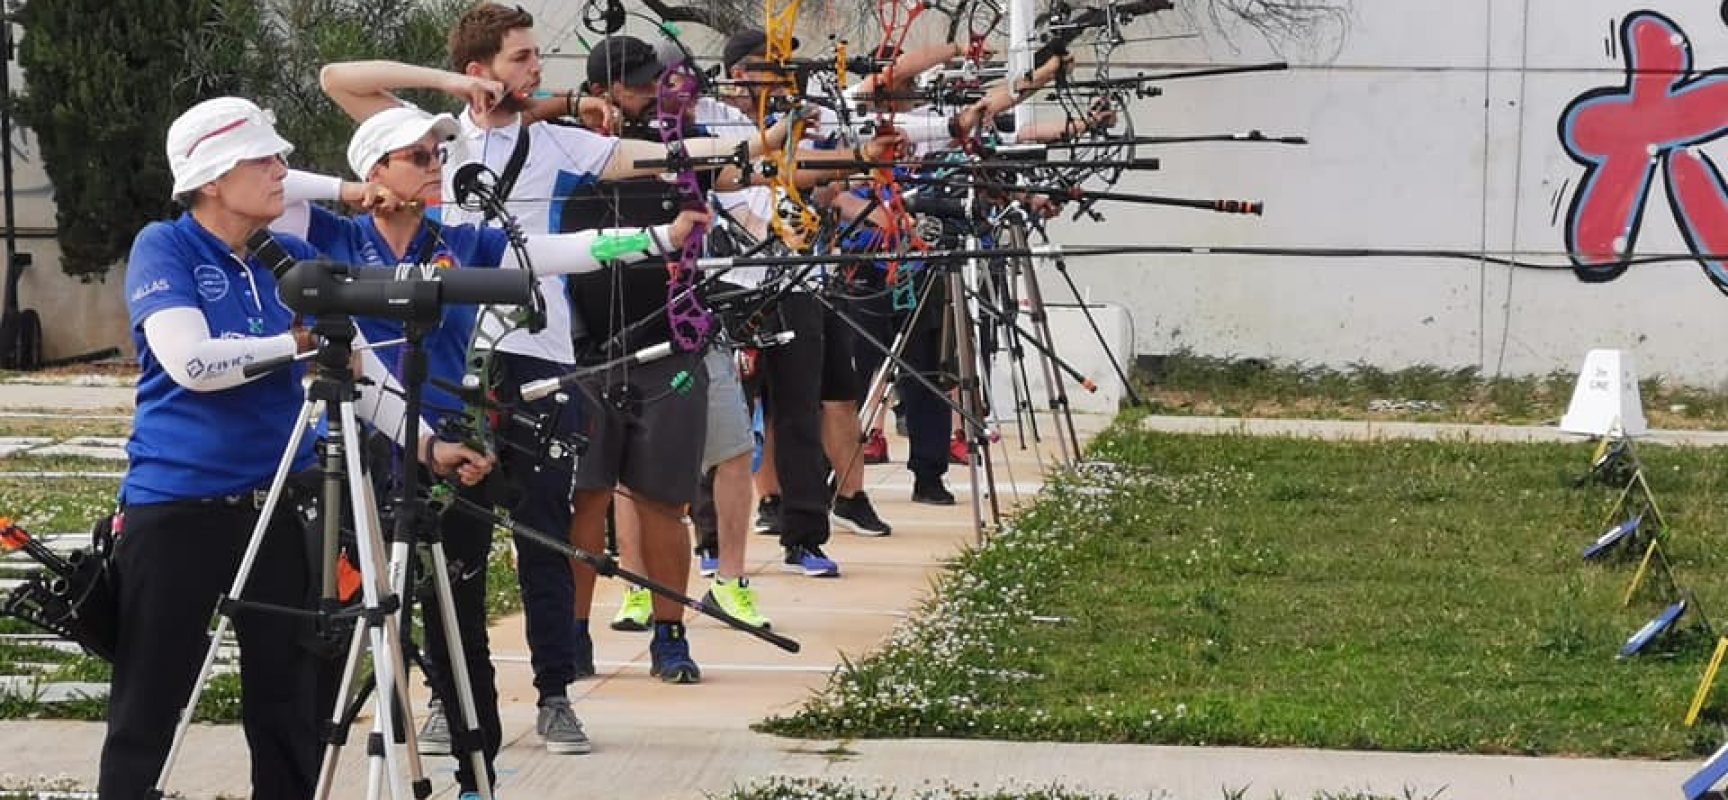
{"x":356,"y":240}
{"x":187,"y":444}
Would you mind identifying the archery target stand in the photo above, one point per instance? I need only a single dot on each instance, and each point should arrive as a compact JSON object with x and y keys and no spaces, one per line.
{"x":1606,"y":405}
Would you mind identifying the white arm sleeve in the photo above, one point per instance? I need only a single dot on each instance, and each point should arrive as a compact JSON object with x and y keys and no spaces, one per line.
{"x":570,"y":253}
{"x":299,"y":189}
{"x":301,"y":186}
{"x":181,"y":341}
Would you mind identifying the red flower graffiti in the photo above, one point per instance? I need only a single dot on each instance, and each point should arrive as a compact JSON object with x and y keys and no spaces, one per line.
{"x":1623,"y":134}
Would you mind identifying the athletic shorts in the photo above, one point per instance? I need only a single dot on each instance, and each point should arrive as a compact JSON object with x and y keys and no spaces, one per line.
{"x":729,"y":434}
{"x":652,"y":446}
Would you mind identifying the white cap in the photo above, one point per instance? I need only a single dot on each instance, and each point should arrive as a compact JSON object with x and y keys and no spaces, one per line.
{"x":211,"y":137}
{"x":394,"y":129}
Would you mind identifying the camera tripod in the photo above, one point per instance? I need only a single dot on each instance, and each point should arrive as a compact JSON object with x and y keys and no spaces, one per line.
{"x":343,"y":486}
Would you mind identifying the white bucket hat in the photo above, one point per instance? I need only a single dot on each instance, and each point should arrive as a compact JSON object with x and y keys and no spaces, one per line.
{"x":210,"y":138}
{"x":394,"y":129}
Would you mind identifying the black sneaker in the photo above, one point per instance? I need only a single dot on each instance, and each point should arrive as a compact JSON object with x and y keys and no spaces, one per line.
{"x":768,"y":516}
{"x":856,"y":515}
{"x":931,"y":492}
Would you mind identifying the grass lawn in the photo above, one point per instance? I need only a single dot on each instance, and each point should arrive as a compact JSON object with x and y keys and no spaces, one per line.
{"x":1278,"y":592}
{"x":1183,"y":383}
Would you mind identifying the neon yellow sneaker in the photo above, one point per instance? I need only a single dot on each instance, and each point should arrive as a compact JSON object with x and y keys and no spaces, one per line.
{"x":636,"y":612}
{"x":738,"y":598}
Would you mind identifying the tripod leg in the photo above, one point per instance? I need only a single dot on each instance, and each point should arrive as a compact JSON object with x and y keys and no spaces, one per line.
{"x":1023,"y":406}
{"x":876,"y":394}
{"x":223,"y":620}
{"x":380,"y":620}
{"x":1054,"y":387}
{"x":962,"y":330}
{"x":470,"y":728}
{"x":395,"y":576}
{"x":336,"y":735}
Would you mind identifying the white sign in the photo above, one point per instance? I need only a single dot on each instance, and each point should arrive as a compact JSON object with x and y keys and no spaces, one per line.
{"x":1605,"y":402}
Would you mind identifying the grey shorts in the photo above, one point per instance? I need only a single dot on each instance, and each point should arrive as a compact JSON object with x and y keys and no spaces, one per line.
{"x":655,"y":453}
{"x":729,"y":434}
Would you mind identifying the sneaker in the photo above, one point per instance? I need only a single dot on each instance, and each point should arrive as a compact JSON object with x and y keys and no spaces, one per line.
{"x":434,"y":738}
{"x":957,"y":453}
{"x":931,"y":492}
{"x":876,"y":447}
{"x":560,"y":728}
{"x":856,"y":515}
{"x":768,"y":515}
{"x":635,"y":612}
{"x":669,"y":655}
{"x":707,"y":562}
{"x":810,"y":560}
{"x":738,"y":598}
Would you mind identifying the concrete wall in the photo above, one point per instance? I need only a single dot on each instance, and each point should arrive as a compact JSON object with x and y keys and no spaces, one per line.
{"x":77,"y":317}
{"x":1433,"y":126}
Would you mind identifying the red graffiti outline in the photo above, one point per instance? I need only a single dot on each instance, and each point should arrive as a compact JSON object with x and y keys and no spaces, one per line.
{"x":1659,"y":116}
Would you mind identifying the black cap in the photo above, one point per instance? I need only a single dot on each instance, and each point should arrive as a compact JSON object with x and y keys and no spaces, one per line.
{"x":623,"y":59}
{"x":744,"y":44}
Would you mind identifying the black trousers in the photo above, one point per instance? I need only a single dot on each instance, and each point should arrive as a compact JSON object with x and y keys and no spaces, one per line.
{"x":929,"y":418}
{"x":704,"y":517}
{"x":467,"y":543}
{"x":546,"y":577}
{"x":174,"y":561}
{"x":792,"y":392}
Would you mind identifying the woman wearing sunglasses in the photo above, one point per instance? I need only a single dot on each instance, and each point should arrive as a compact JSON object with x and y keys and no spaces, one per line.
{"x":398,"y":154}
{"x":205,"y":444}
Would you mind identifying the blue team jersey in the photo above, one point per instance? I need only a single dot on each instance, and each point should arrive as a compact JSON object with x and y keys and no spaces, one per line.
{"x":188,"y":444}
{"x":356,"y":241}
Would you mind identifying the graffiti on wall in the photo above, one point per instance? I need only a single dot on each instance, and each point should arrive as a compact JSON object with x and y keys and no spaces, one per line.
{"x":1659,"y":119}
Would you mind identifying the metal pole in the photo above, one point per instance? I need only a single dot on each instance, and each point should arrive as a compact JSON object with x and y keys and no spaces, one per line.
{"x":1021,"y":14}
{"x":6,"y":159}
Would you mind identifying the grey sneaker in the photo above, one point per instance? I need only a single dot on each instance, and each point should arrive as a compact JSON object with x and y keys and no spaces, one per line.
{"x":434,"y":738}
{"x":558,"y":725}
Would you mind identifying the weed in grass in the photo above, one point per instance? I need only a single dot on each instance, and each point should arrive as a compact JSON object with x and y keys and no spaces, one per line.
{"x":1430,"y":598}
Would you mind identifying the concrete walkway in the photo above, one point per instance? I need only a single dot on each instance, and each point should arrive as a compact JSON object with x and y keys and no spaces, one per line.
{"x":659,"y":741}
{"x":66,"y":397}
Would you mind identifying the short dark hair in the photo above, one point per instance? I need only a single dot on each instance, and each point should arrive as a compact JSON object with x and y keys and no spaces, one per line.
{"x":479,"y":34}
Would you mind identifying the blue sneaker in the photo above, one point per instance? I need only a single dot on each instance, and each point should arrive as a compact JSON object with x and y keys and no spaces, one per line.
{"x":707,"y":563}
{"x":810,"y":560}
{"x":669,"y":655}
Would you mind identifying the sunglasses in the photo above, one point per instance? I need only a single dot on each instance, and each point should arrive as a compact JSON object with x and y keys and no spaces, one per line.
{"x":418,"y":156}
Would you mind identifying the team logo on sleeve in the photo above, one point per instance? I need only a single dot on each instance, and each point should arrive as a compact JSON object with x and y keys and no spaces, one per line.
{"x":212,"y":282}
{"x":153,"y":287}
{"x":444,"y":261}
